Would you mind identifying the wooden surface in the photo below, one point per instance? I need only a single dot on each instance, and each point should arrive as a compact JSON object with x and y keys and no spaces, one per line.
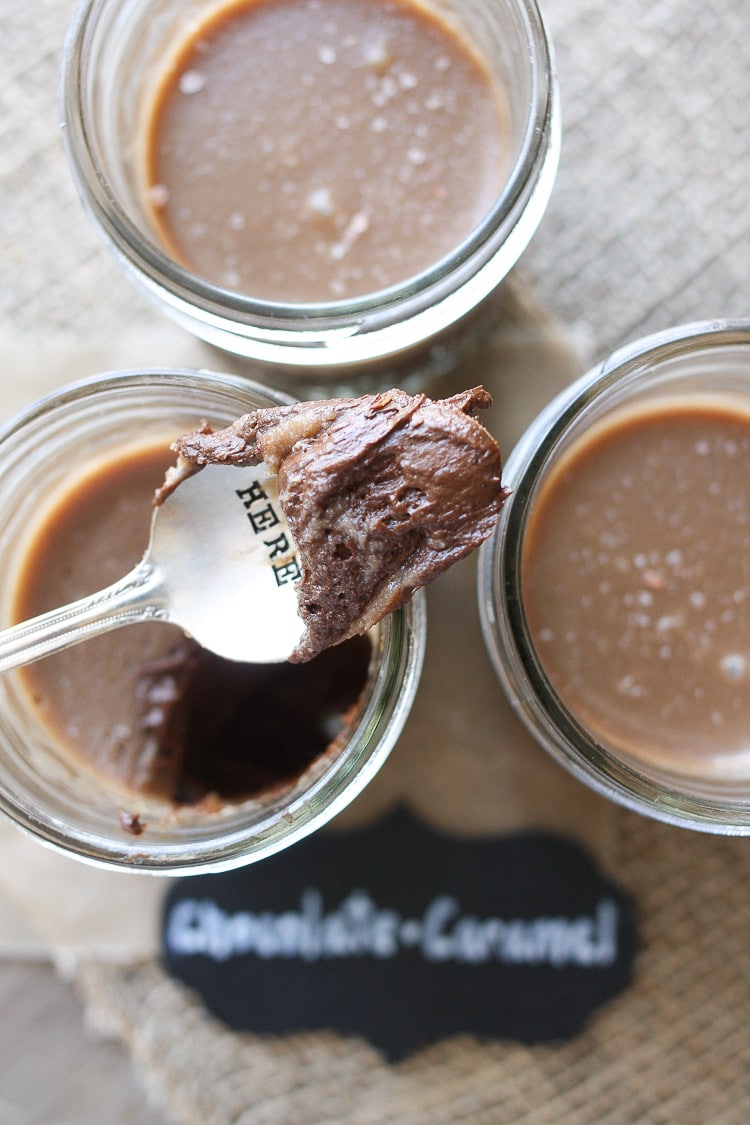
{"x":53,"y":1070}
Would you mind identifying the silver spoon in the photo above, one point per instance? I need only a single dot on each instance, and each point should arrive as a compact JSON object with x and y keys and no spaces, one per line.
{"x":221,"y":563}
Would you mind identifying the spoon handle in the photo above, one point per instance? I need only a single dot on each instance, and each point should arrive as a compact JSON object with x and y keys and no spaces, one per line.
{"x":136,"y":597}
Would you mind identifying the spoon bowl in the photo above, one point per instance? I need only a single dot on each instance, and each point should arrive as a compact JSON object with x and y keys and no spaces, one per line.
{"x":221,"y":563}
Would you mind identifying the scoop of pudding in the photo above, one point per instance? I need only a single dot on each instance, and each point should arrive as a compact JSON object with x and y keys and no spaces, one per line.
{"x":382,"y":494}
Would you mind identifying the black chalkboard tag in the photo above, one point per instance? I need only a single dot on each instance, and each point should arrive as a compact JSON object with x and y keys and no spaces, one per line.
{"x":404,"y":935}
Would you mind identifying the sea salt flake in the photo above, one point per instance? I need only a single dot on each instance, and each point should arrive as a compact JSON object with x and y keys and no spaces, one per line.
{"x":320,"y":202}
{"x":358,"y":225}
{"x":653,"y":580}
{"x":629,"y":686}
{"x":376,"y":52}
{"x":191,"y":82}
{"x":669,"y":621}
{"x":734,"y":665}
{"x":159,"y":195}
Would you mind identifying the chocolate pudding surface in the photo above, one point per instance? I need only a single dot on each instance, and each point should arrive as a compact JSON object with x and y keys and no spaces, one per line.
{"x":318,"y":150}
{"x":637,"y":584}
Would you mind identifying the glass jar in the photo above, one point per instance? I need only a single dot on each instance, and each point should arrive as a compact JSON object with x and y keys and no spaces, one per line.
{"x":66,"y":805}
{"x":700,"y":363}
{"x":115,"y":48}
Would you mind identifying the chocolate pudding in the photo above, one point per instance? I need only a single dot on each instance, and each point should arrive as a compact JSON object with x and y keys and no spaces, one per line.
{"x":637,"y":584}
{"x":319,"y":150}
{"x":145,"y":708}
{"x":382,"y":493}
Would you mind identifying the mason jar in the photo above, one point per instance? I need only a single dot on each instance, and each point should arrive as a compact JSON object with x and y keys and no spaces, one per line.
{"x":415,"y":327}
{"x":53,"y":794}
{"x":647,"y":696}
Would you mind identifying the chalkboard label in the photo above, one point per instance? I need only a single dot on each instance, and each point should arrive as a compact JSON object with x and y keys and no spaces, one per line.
{"x":404,"y":935}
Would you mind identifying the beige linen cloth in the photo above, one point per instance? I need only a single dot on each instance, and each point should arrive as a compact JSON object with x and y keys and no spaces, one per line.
{"x":648,"y":226}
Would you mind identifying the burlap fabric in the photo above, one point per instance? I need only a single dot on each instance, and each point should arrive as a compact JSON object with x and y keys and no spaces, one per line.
{"x":674,"y":1051}
{"x":647,"y":227}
